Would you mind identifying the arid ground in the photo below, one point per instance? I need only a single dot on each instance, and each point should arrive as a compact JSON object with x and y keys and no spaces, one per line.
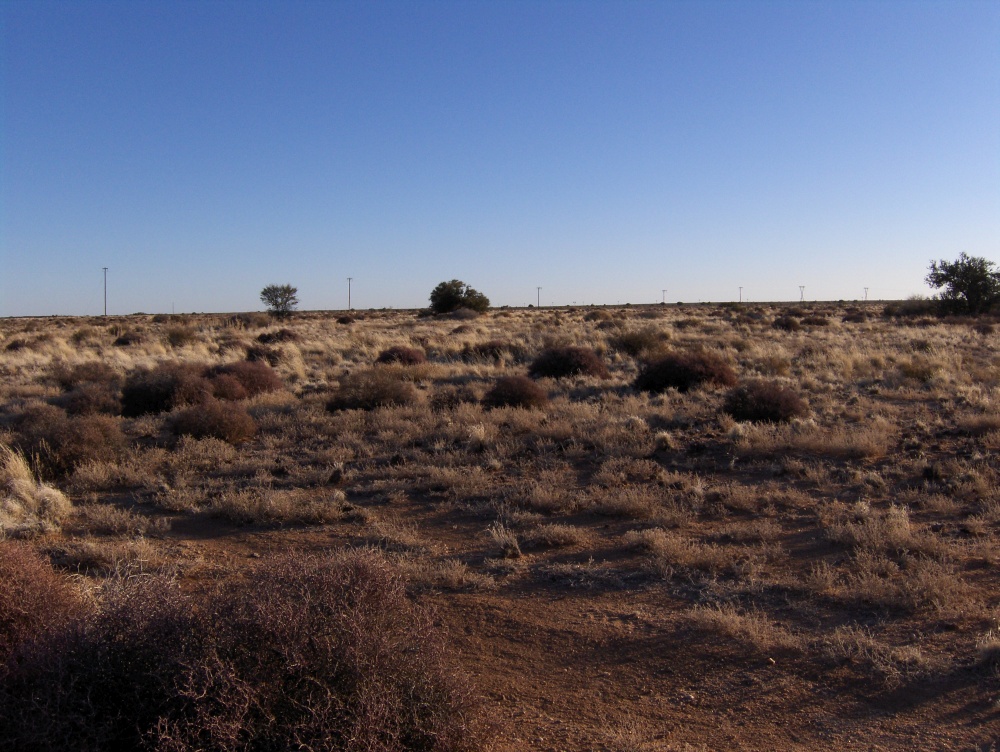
{"x":613,"y":568}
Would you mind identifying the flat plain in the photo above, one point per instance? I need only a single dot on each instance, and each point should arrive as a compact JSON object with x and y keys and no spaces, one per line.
{"x":612,"y":568}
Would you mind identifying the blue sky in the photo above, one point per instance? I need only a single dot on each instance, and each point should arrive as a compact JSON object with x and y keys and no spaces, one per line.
{"x":601,"y":150}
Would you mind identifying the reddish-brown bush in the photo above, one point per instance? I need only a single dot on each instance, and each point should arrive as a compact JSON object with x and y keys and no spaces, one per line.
{"x":816,"y":320}
{"x":89,"y":398}
{"x":226,"y":387}
{"x":557,"y":362}
{"x":406,"y":356}
{"x":218,"y":420}
{"x":684,"y":371}
{"x":516,"y":391}
{"x":163,"y":388}
{"x":367,"y":390}
{"x":255,"y":377}
{"x":92,"y":372}
{"x":262,"y":354}
{"x":62,"y":442}
{"x":494,"y":349}
{"x":34,"y":598}
{"x":764,"y":402}
{"x":308,"y":654}
{"x":640,"y":341}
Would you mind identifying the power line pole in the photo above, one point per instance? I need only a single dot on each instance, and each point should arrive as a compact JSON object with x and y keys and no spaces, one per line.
{"x":349,"y":293}
{"x":741,"y":294}
{"x":664,"y":295}
{"x":538,"y":300}
{"x":802,"y":293}
{"x":866,"y":294}
{"x":105,"y":290}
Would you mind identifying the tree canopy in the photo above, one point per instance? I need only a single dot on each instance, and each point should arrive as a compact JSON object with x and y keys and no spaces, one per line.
{"x":280,"y":300}
{"x":971,"y":284}
{"x":450,"y":296}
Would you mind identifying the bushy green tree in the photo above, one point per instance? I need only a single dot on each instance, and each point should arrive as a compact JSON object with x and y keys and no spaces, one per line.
{"x":971,"y":284}
{"x":450,"y":296}
{"x":280,"y":300}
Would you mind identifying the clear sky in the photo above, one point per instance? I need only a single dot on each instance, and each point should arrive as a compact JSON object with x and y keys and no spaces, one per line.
{"x":601,"y":150}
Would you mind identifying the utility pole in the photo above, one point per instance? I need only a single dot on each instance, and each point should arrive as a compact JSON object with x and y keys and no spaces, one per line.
{"x":802,"y":293}
{"x":349,"y":293}
{"x":664,"y":295}
{"x":741,"y":294}
{"x":866,"y":294}
{"x":538,"y":300}
{"x":105,"y":290}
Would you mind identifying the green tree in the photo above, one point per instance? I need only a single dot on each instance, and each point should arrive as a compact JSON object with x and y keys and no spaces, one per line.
{"x":971,"y":284}
{"x":280,"y":300}
{"x":450,"y":296}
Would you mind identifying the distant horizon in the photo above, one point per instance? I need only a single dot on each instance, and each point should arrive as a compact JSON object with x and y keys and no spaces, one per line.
{"x":603,"y":151}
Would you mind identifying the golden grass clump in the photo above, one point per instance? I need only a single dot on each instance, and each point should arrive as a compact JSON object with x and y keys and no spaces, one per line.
{"x":27,"y":506}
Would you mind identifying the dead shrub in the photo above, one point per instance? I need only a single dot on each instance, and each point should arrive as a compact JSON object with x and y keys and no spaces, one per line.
{"x":516,"y":391}
{"x":254,"y":376}
{"x":163,"y":388}
{"x":217,"y":420}
{"x":34,"y":598}
{"x":405,"y":356}
{"x":684,"y":371}
{"x":63,"y":442}
{"x":558,"y":362}
{"x":451,"y":396}
{"x":764,"y":402}
{"x":367,"y":390}
{"x":308,"y":653}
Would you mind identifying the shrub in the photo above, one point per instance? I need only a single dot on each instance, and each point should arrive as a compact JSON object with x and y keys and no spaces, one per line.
{"x":367,"y":390}
{"x":557,"y":362}
{"x":255,"y":377}
{"x":281,"y":335}
{"x":262,"y":354}
{"x":91,"y":372}
{"x":816,"y":320}
{"x":639,"y":341}
{"x":34,"y":598}
{"x":684,"y":371}
{"x":179,"y":336}
{"x":450,"y":296}
{"x":163,"y":388}
{"x":494,"y":349}
{"x":913,"y":307}
{"x":345,"y":320}
{"x":516,"y":391}
{"x":764,"y":402}
{"x":306,"y":654}
{"x":217,"y":420}
{"x":62,"y":442}
{"x":128,"y":339}
{"x":407,"y":356}
{"x":226,"y":387}
{"x":280,"y":300}
{"x":786,"y":324}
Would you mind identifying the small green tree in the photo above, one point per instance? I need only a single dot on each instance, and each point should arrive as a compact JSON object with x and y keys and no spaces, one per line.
{"x":971,"y":284}
{"x":450,"y":296}
{"x":280,"y":300}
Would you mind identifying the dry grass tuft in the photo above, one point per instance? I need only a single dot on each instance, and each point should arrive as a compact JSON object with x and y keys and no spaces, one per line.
{"x":27,"y":507}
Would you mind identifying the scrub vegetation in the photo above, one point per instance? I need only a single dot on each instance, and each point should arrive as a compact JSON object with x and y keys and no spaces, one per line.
{"x":635,"y":528}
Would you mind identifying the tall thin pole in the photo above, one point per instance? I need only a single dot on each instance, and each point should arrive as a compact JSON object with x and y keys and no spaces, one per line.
{"x":105,"y":290}
{"x":349,"y":293}
{"x":866,"y":294}
{"x":741,"y":294}
{"x":664,"y":295}
{"x":538,"y":300}
{"x":802,"y":293}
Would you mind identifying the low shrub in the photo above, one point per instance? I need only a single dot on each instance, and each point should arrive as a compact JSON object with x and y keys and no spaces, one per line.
{"x":217,"y":420}
{"x":307,"y":653}
{"x":226,"y":387}
{"x":345,"y":320}
{"x":516,"y":391}
{"x":786,"y":324}
{"x":639,"y":341}
{"x":179,"y":336}
{"x":281,"y":335}
{"x":816,"y":320}
{"x":91,"y":372}
{"x":367,"y":390}
{"x":406,"y":356}
{"x":90,"y":398}
{"x":163,"y":388}
{"x":128,"y":339}
{"x":557,"y":362}
{"x":263,"y":354}
{"x":684,"y":371}
{"x":34,"y":598}
{"x":494,"y":349}
{"x":255,"y":377}
{"x":913,"y":307}
{"x":63,"y":443}
{"x":764,"y":402}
